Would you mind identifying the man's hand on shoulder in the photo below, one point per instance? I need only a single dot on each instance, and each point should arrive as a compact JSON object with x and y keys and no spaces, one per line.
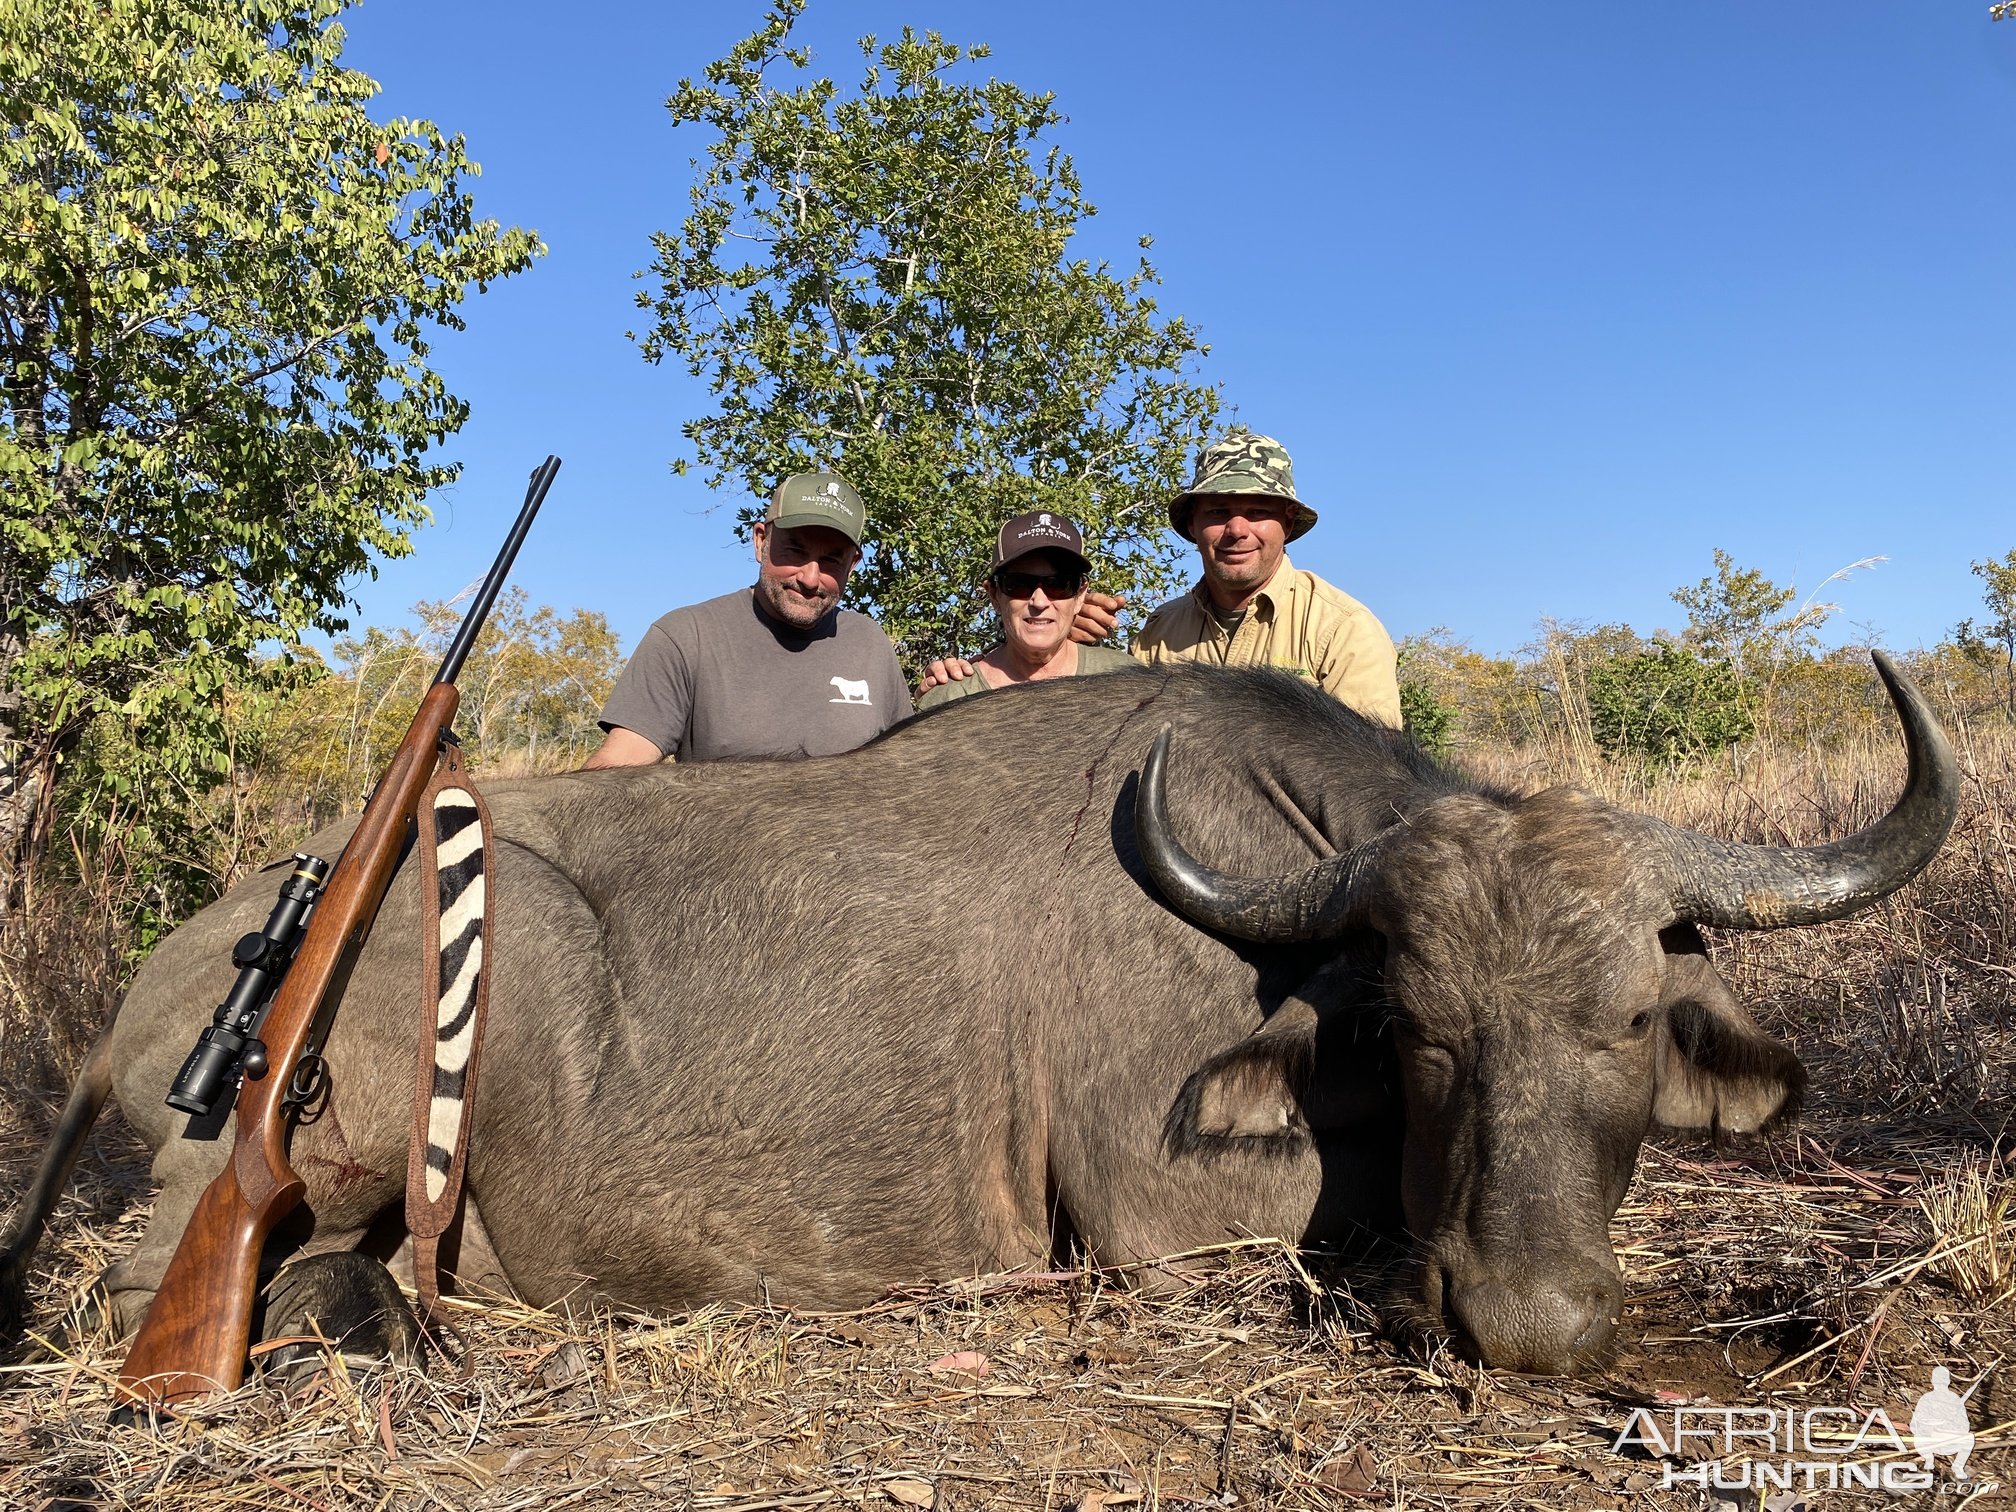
{"x":947,"y":669}
{"x":621,"y":747}
{"x":1097,"y":621}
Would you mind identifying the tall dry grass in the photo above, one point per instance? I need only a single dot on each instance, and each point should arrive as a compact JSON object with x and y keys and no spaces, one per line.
{"x":62,"y":968}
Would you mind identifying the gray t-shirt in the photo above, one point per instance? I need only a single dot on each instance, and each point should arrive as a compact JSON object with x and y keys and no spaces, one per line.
{"x":721,"y":679}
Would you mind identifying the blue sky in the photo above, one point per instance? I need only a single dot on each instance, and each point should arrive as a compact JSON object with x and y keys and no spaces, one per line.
{"x":1547,"y":300}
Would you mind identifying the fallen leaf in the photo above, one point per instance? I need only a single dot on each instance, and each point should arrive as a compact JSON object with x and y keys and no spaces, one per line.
{"x":1601,"y":1472}
{"x":565,"y":1366}
{"x":968,"y":1361}
{"x":908,"y":1493}
{"x":1352,"y":1474}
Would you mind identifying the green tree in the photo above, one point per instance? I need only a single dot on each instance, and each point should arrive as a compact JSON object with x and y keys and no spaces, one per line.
{"x":217,"y":279}
{"x":1492,"y":703}
{"x":1739,"y":616}
{"x":879,"y":281}
{"x":1664,"y":705}
{"x":1557,"y":671}
{"x":1424,"y":668}
{"x":1430,"y":721}
{"x":1996,"y":637}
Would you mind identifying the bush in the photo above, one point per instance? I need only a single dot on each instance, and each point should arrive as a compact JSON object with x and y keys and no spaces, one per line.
{"x":1430,"y":721}
{"x":1665,"y":706}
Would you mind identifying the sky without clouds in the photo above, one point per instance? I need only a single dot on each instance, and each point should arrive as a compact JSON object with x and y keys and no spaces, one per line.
{"x":1547,"y":300}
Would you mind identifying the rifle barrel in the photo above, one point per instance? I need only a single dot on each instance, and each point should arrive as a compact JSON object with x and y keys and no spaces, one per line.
{"x":472,"y":622}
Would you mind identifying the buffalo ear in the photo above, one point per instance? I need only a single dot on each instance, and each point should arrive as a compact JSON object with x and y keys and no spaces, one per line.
{"x":1251,"y":1096}
{"x":1715,"y":1069}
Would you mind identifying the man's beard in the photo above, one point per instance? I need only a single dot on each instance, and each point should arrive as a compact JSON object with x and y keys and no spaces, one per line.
{"x":791,"y":608}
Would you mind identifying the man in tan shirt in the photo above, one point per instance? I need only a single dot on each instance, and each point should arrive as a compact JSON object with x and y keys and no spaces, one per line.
{"x":1253,"y":607}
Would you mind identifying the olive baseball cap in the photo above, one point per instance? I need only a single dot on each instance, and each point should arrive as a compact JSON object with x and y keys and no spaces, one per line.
{"x":1039,"y":530}
{"x":818,"y":499}
{"x":1243,"y":463}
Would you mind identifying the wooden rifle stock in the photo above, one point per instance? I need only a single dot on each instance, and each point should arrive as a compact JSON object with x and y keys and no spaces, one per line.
{"x":198,"y":1329}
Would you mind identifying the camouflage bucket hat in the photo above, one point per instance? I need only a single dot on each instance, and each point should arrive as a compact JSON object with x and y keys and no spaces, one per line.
{"x":1243,"y":463}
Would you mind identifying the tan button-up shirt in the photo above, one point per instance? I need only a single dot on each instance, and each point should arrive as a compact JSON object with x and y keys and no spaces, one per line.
{"x":1297,"y":622}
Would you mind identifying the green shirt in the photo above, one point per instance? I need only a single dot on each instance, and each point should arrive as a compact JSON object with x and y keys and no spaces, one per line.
{"x":1091,"y":660}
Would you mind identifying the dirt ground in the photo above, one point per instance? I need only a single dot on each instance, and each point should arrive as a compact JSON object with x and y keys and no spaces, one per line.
{"x":1798,"y":1271}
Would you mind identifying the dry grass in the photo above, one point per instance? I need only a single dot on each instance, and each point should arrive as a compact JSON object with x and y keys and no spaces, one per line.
{"x":1974,"y":1234}
{"x":59,"y":977}
{"x":1830,"y":1265}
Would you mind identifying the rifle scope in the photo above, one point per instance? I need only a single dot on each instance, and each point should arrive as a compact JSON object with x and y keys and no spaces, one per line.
{"x":226,"y":1047}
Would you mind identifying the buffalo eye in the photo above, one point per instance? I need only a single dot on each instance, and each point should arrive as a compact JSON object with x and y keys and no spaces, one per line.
{"x":1408,"y":1039}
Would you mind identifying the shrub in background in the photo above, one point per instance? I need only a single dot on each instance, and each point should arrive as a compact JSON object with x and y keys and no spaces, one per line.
{"x":1665,"y":706}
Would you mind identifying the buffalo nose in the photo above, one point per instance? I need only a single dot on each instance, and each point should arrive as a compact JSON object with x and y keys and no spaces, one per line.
{"x":1546,"y":1327}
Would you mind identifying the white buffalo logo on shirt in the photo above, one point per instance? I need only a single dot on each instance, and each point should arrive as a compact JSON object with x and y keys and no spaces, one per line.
{"x":852,"y":690}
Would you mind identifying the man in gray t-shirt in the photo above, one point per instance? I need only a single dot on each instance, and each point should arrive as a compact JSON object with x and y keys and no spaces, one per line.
{"x":774,"y":670}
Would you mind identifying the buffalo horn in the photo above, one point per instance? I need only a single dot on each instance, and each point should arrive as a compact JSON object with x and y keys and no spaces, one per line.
{"x":1310,"y":905}
{"x":1770,"y":887}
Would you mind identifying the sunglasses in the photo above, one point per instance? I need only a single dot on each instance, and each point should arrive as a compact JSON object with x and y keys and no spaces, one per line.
{"x":1058,"y":585}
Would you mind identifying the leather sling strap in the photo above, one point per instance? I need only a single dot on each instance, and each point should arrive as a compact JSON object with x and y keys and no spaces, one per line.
{"x":458,"y":893}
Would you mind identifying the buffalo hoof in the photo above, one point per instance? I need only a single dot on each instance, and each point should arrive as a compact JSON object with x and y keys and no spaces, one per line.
{"x":346,"y":1298}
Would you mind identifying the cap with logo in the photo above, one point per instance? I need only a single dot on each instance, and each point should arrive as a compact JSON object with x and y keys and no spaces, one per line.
{"x":1243,"y":463}
{"x":818,"y":499}
{"x":1039,"y":530}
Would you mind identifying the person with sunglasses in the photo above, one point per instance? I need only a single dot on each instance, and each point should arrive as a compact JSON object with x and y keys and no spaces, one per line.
{"x":1037,"y":585}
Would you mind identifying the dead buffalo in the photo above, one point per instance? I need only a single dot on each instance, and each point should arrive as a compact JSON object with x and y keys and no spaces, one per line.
{"x":1025,"y":972}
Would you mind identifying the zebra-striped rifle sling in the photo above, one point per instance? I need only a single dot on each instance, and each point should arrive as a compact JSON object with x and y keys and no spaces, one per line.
{"x":457,"y":892}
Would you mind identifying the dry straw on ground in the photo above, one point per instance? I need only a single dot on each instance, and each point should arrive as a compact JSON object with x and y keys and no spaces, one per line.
{"x":1831,"y":1265}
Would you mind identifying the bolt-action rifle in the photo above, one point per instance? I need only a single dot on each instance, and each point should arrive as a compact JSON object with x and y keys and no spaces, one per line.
{"x":196,"y":1334}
